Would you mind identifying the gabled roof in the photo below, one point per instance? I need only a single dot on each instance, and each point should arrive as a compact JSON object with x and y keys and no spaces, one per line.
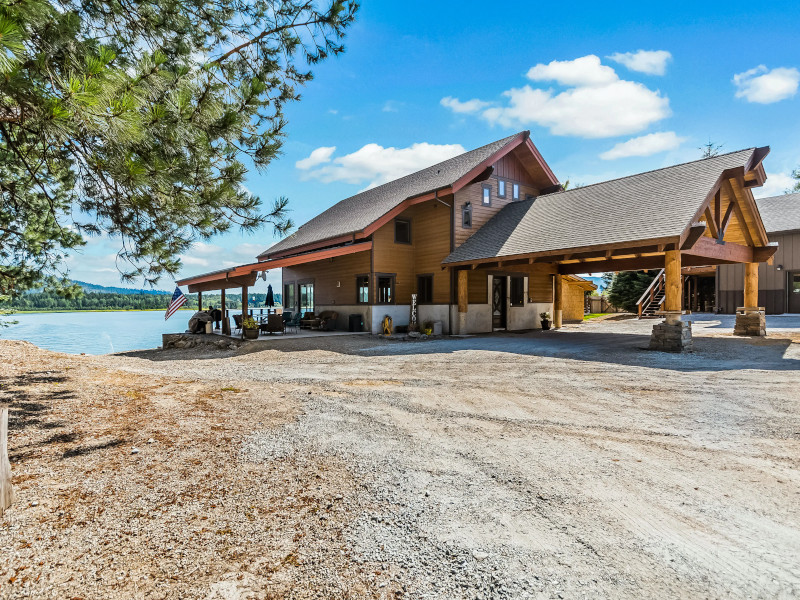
{"x":356,"y":213}
{"x":646,"y":206}
{"x":780,"y":213}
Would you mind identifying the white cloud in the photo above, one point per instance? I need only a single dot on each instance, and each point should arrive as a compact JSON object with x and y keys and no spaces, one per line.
{"x":317,"y":157}
{"x":596,"y":103}
{"x":391,"y":106}
{"x":459,"y":107}
{"x":776,"y":184}
{"x":645,"y":145}
{"x":375,"y":164}
{"x":766,"y":86}
{"x":584,"y":71}
{"x":652,"y":62}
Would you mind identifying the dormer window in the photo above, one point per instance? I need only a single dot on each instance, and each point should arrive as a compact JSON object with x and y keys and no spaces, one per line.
{"x":466,"y":216}
{"x":487,"y":195}
{"x":516,"y":191}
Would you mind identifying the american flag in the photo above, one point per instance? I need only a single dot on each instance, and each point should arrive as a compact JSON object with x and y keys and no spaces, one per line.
{"x":178,"y":300}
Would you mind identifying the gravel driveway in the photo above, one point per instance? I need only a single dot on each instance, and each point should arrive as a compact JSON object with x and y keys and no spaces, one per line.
{"x":564,"y":464}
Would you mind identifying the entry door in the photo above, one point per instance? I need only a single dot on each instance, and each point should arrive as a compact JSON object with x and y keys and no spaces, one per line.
{"x":794,"y":292}
{"x":499,"y":302}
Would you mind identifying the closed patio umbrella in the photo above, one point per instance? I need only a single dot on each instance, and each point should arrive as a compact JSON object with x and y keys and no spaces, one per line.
{"x":270,"y":301}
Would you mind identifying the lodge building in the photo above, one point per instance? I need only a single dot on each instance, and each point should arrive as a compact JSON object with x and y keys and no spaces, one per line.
{"x":489,"y":240}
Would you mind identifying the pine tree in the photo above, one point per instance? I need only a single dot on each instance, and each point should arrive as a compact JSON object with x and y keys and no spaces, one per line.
{"x":627,"y":287}
{"x":136,"y":119}
{"x":795,"y":175}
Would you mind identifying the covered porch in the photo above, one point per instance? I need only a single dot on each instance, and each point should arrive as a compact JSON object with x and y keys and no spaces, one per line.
{"x":633,"y":227}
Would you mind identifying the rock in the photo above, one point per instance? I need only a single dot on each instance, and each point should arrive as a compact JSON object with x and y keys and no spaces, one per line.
{"x":150,"y":441}
{"x":478,"y":555}
{"x":134,"y":451}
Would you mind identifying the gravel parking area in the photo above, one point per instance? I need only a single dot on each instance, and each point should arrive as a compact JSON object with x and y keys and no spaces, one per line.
{"x":564,"y":464}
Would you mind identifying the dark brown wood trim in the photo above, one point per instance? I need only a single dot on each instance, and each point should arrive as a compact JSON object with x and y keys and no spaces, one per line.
{"x":344,"y":239}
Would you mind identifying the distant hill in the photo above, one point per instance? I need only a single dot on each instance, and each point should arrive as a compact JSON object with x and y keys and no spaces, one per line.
{"x":102,"y":289}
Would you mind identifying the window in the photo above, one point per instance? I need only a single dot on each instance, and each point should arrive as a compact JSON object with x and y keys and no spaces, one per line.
{"x":466,"y":216}
{"x":385,"y":289}
{"x":288,"y":296}
{"x":517,"y":297}
{"x":424,"y":289}
{"x":306,"y":297}
{"x":501,"y":188}
{"x":402,"y":231}
{"x":487,"y":195}
{"x":516,"y":191}
{"x":362,"y":289}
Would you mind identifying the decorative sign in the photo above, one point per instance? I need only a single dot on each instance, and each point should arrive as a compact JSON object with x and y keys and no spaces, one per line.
{"x":413,"y":309}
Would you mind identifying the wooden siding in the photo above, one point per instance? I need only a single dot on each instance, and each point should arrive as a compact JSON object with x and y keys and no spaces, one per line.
{"x":573,"y":306}
{"x":541,"y":282}
{"x":478,"y":287}
{"x":334,"y":279}
{"x":430,"y":244}
{"x":509,"y":167}
{"x":480,"y":213}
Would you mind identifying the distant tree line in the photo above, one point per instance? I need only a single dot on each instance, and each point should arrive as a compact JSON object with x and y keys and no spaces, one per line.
{"x":106,"y":301}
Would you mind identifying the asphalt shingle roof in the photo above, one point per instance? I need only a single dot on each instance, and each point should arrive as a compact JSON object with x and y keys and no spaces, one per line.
{"x":649,"y":205}
{"x":355,"y":213}
{"x":780,"y":213}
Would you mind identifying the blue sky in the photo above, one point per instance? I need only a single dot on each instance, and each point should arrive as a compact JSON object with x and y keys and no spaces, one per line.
{"x":420,"y":81}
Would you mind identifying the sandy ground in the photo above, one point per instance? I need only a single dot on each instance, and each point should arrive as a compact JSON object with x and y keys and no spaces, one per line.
{"x":563,"y":464}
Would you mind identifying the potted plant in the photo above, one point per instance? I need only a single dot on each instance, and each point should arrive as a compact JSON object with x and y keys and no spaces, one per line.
{"x":545,"y":317}
{"x":427,"y":327}
{"x":249,"y":328}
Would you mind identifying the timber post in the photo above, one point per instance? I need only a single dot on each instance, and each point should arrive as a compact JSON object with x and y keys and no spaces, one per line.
{"x":6,"y":491}
{"x":463,"y":301}
{"x":558,"y":300}
{"x":199,"y":301}
{"x":244,"y":302}
{"x":750,"y":318}
{"x":673,"y":335}
{"x":226,"y":325}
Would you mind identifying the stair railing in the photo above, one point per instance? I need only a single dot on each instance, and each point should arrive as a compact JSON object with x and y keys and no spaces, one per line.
{"x":650,"y":293}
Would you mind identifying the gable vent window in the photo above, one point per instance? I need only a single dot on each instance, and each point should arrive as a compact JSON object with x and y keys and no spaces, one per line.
{"x":466,"y":216}
{"x":516,"y":191}
{"x":487,"y":195}
{"x":501,"y":188}
{"x":402,"y":231}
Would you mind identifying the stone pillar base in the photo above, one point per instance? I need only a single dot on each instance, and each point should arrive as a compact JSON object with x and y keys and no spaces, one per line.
{"x":462,"y":323}
{"x":671,"y":337}
{"x":750,"y":322}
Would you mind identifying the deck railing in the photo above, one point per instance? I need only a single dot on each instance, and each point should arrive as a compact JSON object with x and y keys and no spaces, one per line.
{"x":654,"y":293}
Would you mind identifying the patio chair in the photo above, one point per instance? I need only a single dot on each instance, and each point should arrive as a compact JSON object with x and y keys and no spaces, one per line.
{"x":308,"y":320}
{"x":274,"y":324}
{"x":237,"y":322}
{"x":294,"y":322}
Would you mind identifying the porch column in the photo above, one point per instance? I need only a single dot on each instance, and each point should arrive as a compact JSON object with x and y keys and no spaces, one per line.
{"x":199,"y":300}
{"x":750,"y":319}
{"x":673,"y":335}
{"x":244,"y":302}
{"x":558,"y":300}
{"x":463,"y":301}
{"x":226,"y":325}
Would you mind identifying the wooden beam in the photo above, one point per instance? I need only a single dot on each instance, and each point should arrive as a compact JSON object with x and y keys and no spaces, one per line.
{"x":711,"y":223}
{"x":718,"y":205}
{"x":244,"y":303}
{"x":723,"y":226}
{"x":693,"y":233}
{"x":343,"y":239}
{"x":730,"y":252}
{"x":463,"y":298}
{"x":558,"y":300}
{"x":199,"y":300}
{"x":672,"y":279}
{"x":233,"y":282}
{"x":751,"y":285}
{"x":226,"y":324}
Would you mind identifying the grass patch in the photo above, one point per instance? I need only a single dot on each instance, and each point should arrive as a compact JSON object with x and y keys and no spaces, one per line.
{"x":231,"y":389}
{"x":594,"y":316}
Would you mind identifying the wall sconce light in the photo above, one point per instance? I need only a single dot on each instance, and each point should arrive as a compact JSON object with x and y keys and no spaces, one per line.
{"x":779,"y":267}
{"x":338,"y":284}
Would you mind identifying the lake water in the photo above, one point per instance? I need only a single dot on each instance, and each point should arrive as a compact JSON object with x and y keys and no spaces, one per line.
{"x":96,"y":332}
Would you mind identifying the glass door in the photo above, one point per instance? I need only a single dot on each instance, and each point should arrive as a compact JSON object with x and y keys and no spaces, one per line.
{"x":306,"y":297}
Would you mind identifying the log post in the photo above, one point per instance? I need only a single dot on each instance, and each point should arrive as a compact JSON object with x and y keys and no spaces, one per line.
{"x":673,"y":335}
{"x":199,"y":300}
{"x":226,"y":324}
{"x":244,"y":302}
{"x":558,"y":300}
{"x":6,"y":491}
{"x":463,"y":300}
{"x":750,"y":318}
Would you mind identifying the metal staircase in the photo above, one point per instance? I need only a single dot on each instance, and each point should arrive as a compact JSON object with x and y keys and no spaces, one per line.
{"x":653,"y":298}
